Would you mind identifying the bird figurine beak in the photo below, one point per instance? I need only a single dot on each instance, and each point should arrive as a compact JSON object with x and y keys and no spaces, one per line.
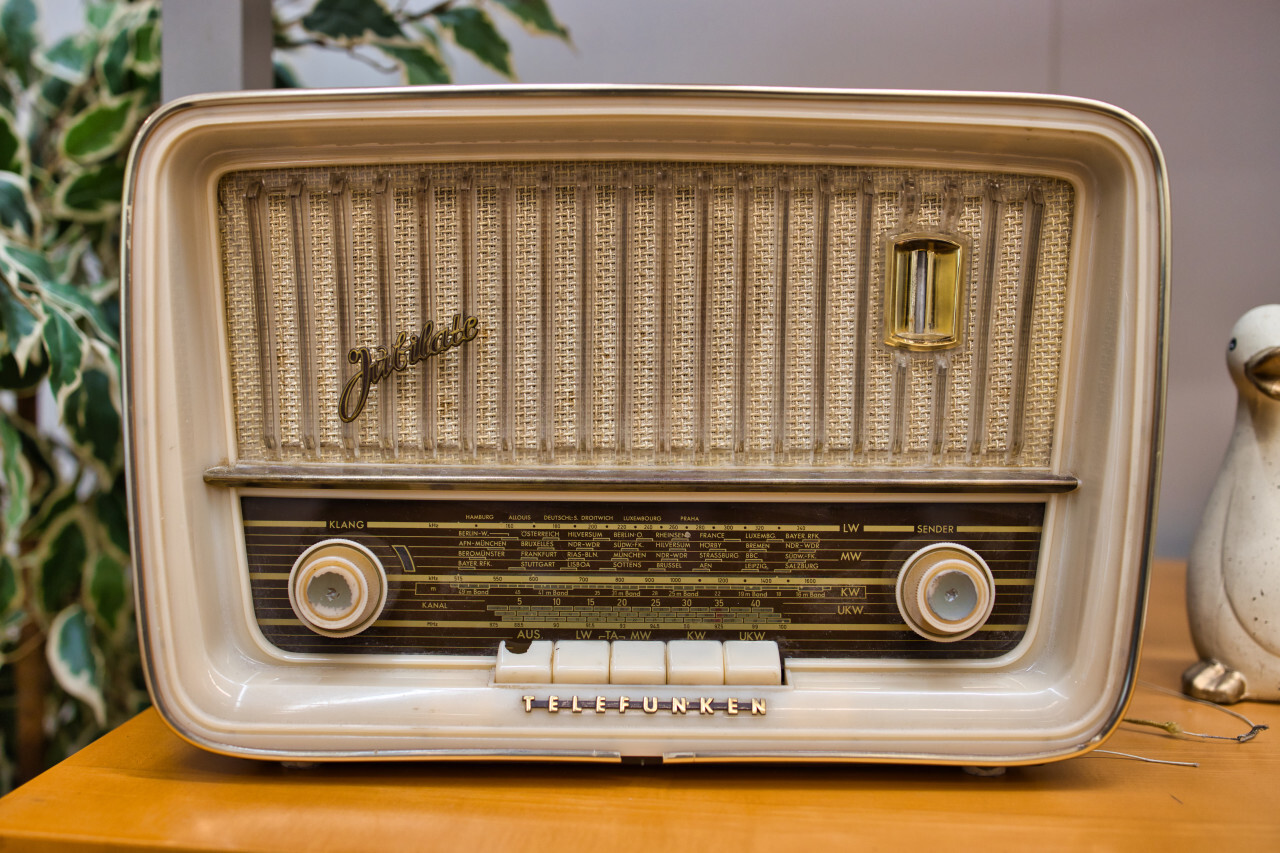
{"x":1263,"y":370}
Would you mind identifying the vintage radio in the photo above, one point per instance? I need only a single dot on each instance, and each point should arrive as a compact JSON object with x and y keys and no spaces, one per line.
{"x":679,"y":423}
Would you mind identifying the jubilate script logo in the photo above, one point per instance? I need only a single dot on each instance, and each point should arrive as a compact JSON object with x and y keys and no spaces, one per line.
{"x":378,"y":363}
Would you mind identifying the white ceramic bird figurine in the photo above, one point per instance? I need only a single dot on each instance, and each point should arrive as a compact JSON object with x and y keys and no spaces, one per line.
{"x":1233,"y":573}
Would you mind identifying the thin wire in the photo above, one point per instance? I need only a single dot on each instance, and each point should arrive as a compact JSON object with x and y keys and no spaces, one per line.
{"x":1175,"y":729}
{"x":1143,"y":759}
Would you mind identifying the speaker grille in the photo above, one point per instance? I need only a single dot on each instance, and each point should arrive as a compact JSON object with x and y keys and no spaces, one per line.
{"x":634,"y":313}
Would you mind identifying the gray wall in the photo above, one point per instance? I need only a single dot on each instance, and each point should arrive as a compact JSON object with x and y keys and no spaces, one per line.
{"x":1203,"y":76}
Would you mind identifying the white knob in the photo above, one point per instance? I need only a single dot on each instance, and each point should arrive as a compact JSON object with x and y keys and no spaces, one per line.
{"x":945,"y":592}
{"x":337,"y":588}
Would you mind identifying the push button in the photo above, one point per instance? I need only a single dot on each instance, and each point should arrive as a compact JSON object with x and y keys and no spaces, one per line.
{"x":638,"y":662}
{"x":752,"y":662}
{"x":532,"y":666}
{"x":695,"y":662}
{"x":580,"y":662}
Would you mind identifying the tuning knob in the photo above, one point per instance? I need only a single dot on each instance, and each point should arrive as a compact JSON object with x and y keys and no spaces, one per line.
{"x":945,"y":592}
{"x":337,"y":588}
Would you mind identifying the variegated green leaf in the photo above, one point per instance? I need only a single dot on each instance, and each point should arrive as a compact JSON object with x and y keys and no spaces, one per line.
{"x":18,"y":37}
{"x":113,"y":63}
{"x":536,"y":16}
{"x":419,"y":66}
{"x":92,"y":194}
{"x":351,"y":19}
{"x":60,"y":560}
{"x":15,"y":500}
{"x":18,"y":211}
{"x":20,"y":323}
{"x":69,"y":60}
{"x":19,"y":263}
{"x":108,"y":584}
{"x":57,"y":501}
{"x":79,"y":304}
{"x":53,"y":93}
{"x":107,"y":358}
{"x":13,"y":148}
{"x":474,"y":32}
{"x":113,"y":518}
{"x":20,"y":378}
{"x":98,"y":15}
{"x":91,"y":417}
{"x":65,"y":346}
{"x":75,"y":661}
{"x":144,"y":59}
{"x":65,"y":258}
{"x":41,"y":455}
{"x":102,"y":129}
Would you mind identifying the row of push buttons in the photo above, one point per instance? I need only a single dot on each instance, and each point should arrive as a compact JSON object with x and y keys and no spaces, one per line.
{"x":641,"y":662}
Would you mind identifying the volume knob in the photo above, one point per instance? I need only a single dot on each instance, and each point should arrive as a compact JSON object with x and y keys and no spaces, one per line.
{"x":945,"y":592}
{"x":337,"y":588}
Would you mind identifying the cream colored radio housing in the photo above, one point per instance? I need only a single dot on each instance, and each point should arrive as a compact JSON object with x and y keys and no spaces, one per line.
{"x":680,"y":316}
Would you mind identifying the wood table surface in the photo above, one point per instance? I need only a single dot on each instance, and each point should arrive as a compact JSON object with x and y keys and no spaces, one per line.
{"x":143,"y":787}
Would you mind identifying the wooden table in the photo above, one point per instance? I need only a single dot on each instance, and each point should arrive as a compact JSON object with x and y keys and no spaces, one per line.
{"x":142,"y":787}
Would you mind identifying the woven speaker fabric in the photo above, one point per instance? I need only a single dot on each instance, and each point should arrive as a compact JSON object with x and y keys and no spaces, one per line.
{"x":637,"y":314}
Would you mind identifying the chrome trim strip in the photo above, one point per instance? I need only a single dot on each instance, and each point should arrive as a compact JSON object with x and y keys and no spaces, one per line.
{"x":409,"y":476}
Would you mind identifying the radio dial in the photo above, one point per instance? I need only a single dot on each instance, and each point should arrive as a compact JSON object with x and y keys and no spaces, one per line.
{"x":945,"y":592}
{"x":337,"y":588}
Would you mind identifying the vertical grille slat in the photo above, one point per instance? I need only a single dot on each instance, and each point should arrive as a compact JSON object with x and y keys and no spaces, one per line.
{"x":546,"y":318}
{"x":664,"y":314}
{"x":259,"y":234}
{"x":507,"y":303}
{"x":467,"y":385}
{"x":743,"y":200}
{"x":586,"y":205}
{"x":304,"y":312}
{"x":866,"y":201}
{"x":384,"y":237}
{"x":637,"y":314}
{"x":340,"y":243}
{"x":822,"y":212}
{"x":782,"y":284}
{"x":427,"y":309}
{"x":703,"y":342}
{"x":1034,"y":218}
{"x":992,"y":216}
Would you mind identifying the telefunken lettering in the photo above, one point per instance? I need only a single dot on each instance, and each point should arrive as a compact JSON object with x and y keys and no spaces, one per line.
{"x":378,"y":363}
{"x":702,"y":706}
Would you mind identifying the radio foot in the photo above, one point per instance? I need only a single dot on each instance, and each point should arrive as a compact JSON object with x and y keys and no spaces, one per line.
{"x":641,"y":760}
{"x":984,"y":772}
{"x":1214,"y":681}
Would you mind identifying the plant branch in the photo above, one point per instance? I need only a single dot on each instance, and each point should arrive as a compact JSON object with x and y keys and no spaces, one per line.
{"x":432,"y":12}
{"x":349,"y":48}
{"x":25,"y":647}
